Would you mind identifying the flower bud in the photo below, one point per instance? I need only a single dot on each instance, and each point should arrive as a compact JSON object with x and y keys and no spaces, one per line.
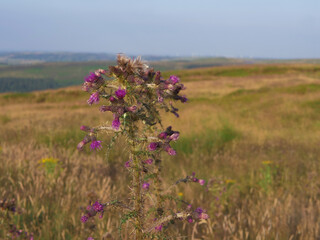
{"x":132,"y":109}
{"x":85,"y":128}
{"x":202,"y":182}
{"x":104,"y":108}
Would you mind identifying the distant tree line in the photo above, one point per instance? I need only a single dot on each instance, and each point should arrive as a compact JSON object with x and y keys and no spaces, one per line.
{"x":26,"y":84}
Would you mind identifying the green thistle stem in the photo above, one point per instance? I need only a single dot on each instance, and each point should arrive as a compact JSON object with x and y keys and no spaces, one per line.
{"x":136,"y":185}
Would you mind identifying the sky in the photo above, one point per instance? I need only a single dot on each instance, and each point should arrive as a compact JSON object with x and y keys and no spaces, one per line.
{"x":230,"y":28}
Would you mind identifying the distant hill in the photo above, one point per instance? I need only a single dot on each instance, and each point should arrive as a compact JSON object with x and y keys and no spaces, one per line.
{"x":25,"y":72}
{"x":18,"y":58}
{"x":40,"y":76}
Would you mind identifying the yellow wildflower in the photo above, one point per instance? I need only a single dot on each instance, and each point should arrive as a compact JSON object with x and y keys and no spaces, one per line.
{"x":49,"y":160}
{"x":230,"y":181}
{"x":267,"y":162}
{"x":180,"y":194}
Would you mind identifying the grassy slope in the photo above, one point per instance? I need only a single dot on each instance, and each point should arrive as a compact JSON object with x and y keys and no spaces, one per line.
{"x":237,"y":118}
{"x":68,"y":74}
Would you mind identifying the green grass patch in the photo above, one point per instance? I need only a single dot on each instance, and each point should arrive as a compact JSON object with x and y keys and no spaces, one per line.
{"x":302,"y":89}
{"x":4,"y":119}
{"x":209,"y":141}
{"x":17,"y":96}
{"x":315,"y":104}
{"x":66,"y":138}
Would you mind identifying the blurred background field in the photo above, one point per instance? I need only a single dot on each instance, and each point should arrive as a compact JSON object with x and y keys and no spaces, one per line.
{"x":252,"y":131}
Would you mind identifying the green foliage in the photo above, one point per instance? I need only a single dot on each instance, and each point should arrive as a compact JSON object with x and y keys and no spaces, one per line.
{"x":209,"y":141}
{"x":4,"y":119}
{"x":315,"y":104}
{"x":302,"y":89}
{"x":51,"y":166}
{"x":267,"y":172}
{"x":64,"y":138}
{"x":26,"y":84}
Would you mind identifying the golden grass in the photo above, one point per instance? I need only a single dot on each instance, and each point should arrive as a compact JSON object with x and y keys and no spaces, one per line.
{"x":229,"y":129}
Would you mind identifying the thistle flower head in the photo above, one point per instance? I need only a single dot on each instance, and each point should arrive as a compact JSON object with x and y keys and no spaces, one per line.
{"x":199,"y":210}
{"x":95,"y":145}
{"x":91,"y":78}
{"x":94,"y":98}
{"x":84,"y":218}
{"x":98,"y":207}
{"x":120,"y":93}
{"x":159,"y":228}
{"x":104,"y":108}
{"x":132,"y":109}
{"x":116,"y":122}
{"x":85,"y":128}
{"x":203,"y":216}
{"x":174,"y":136}
{"x":112,"y":99}
{"x":149,"y":161}
{"x":162,"y":135}
{"x":85,"y":140}
{"x":145,"y":186}
{"x":190,"y":219}
{"x":153,"y":146}
{"x":202,"y":182}
{"x":170,"y":150}
{"x":174,"y":79}
{"x":127,"y":164}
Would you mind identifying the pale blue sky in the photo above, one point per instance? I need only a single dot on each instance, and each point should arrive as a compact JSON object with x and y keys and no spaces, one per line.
{"x":232,"y":28}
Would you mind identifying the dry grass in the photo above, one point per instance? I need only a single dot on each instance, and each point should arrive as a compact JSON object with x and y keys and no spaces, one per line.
{"x":230,"y":126}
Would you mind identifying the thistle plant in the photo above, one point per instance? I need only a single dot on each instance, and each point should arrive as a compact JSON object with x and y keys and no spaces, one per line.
{"x":8,"y":208}
{"x":136,"y":95}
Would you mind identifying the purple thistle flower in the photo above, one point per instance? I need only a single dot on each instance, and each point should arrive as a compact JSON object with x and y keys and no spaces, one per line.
{"x":203,"y":216}
{"x":90,"y":238}
{"x":202,"y":182}
{"x":81,"y":144}
{"x":95,"y":145}
{"x":153,"y":146}
{"x":146,"y":186}
{"x":157,"y":78}
{"x":183,"y":99}
{"x":132,"y":108}
{"x":91,"y":78}
{"x":158,"y":228}
{"x":195,"y":179}
{"x":162,"y":135}
{"x":120,"y":93}
{"x":89,"y":208}
{"x":94,"y":98}
{"x":174,"y":136}
{"x":170,"y":150}
{"x":116,"y":122}
{"x":189,"y":219}
{"x":84,"y":218}
{"x":98,"y":207}
{"x":112,"y":99}
{"x":149,"y":161}
{"x":189,"y":207}
{"x":199,"y":210}
{"x":174,"y":79}
{"x":127,"y":164}
{"x":85,"y":128}
{"x":104,"y":108}
{"x":102,"y":71}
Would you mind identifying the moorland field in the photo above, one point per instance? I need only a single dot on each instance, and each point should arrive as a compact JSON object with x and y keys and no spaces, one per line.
{"x":251,"y":131}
